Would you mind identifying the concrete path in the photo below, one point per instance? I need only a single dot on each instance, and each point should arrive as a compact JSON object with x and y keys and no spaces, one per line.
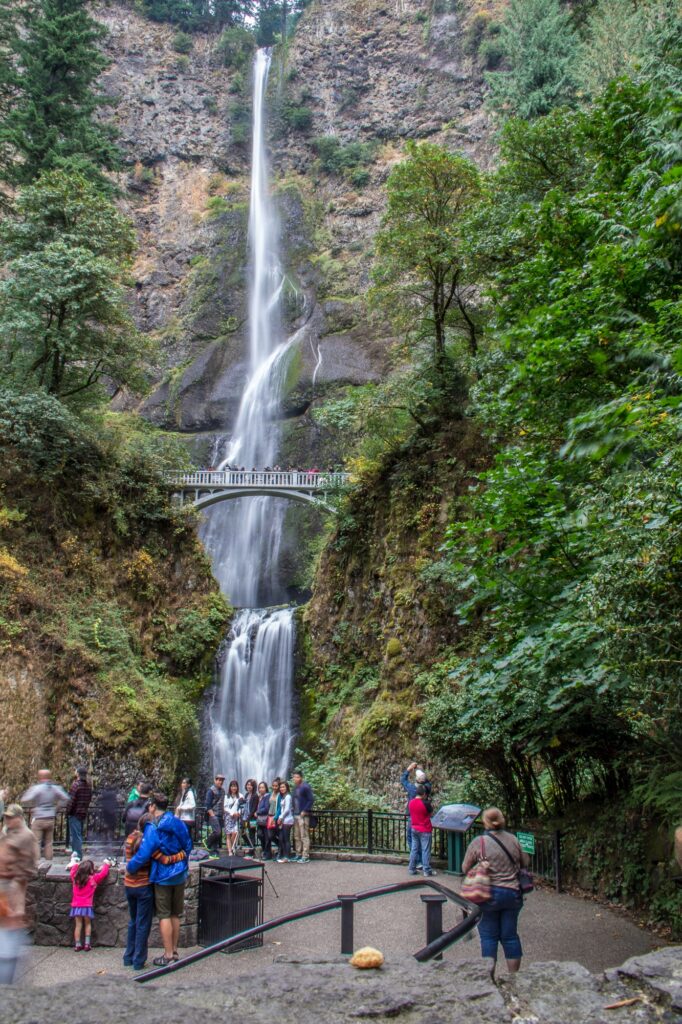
{"x":552,"y":927}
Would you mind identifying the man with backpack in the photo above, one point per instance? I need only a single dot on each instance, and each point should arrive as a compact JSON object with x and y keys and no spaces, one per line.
{"x":215,"y":812}
{"x":137,"y":807}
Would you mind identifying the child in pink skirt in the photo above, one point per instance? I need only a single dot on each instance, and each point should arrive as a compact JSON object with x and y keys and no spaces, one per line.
{"x":85,"y":881}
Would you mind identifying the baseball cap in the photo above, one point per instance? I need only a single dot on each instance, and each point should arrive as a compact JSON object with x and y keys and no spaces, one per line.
{"x":419,"y":775}
{"x":14,"y":811}
{"x":219,"y":775}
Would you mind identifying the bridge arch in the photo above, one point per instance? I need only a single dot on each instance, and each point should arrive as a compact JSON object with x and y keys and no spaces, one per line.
{"x":213,"y":498}
{"x":206,"y":487}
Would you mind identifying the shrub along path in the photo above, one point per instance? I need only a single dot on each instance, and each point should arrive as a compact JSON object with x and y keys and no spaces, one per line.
{"x":552,"y":927}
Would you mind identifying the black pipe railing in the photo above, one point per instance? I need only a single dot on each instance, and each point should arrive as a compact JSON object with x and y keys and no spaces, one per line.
{"x":370,"y":832}
{"x":433,"y":948}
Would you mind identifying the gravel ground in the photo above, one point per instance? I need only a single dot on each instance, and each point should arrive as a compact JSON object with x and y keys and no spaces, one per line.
{"x":552,"y":927}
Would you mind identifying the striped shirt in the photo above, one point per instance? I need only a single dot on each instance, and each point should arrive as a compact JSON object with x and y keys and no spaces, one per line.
{"x":141,"y":877}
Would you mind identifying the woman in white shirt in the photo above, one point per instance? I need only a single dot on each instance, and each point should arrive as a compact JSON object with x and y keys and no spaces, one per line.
{"x":186,"y":807}
{"x":285,"y":822}
{"x":232,"y":807}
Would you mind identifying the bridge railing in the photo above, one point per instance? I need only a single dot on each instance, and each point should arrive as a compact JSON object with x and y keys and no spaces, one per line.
{"x":212,"y":478}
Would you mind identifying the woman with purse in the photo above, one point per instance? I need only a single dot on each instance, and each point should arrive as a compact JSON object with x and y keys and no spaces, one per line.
{"x":505,"y":859}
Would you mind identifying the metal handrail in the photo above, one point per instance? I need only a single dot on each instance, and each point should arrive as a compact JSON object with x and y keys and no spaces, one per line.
{"x":428,"y":952}
{"x":256,"y":478}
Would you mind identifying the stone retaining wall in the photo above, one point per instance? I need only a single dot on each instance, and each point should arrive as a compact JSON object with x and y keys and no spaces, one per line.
{"x":49,"y":904}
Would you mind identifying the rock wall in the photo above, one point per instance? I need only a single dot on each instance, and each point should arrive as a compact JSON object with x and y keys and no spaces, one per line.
{"x":371,"y":71}
{"x":49,"y":903}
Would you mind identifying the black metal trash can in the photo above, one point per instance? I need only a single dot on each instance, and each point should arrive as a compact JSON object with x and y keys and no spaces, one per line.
{"x":230,"y":901}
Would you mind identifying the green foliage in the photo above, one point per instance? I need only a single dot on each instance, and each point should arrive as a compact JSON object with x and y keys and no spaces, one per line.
{"x":182,"y":42}
{"x":193,"y":15}
{"x":236,"y":46}
{"x":53,"y":117}
{"x":63,"y":315}
{"x":540,"y":47}
{"x":336,"y":158}
{"x":569,"y":561}
{"x":298,"y":118}
{"x":620,"y":36}
{"x":328,"y":776}
{"x":420,"y":273}
{"x":240,"y":117}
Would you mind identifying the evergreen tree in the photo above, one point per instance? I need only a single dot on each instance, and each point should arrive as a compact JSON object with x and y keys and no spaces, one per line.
{"x":540,"y":46}
{"x":57,"y":62}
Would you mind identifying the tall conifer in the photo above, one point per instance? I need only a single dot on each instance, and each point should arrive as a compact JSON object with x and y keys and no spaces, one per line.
{"x":57,"y":61}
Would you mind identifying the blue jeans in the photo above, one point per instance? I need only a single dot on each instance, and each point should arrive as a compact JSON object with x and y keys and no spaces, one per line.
{"x":141,"y":910}
{"x":74,"y":831}
{"x":499,"y":923}
{"x":420,"y":851}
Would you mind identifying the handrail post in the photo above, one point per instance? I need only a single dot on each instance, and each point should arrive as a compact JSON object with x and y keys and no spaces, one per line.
{"x":433,"y":902}
{"x":557,"y":859}
{"x":370,"y":831}
{"x":347,"y":904}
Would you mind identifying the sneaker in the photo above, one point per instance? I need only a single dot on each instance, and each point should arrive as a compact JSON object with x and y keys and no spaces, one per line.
{"x":77,"y":947}
{"x":411,"y":872}
{"x":139,"y":967}
{"x":127,"y":963}
{"x":86,"y":947}
{"x":282,"y":860}
{"x":303,"y":860}
{"x":430,"y":874}
{"x":162,"y":961}
{"x":295,"y":860}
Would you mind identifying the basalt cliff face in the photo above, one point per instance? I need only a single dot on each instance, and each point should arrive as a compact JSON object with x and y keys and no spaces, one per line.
{"x":375,"y":72}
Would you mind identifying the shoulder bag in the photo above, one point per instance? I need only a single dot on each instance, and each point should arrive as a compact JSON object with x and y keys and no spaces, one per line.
{"x":526,"y":883}
{"x":476,"y":882}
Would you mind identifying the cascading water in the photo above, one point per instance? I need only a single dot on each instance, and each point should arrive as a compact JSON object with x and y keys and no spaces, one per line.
{"x":251,"y":717}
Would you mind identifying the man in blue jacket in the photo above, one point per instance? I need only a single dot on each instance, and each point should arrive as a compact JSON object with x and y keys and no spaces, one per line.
{"x":166,"y":846}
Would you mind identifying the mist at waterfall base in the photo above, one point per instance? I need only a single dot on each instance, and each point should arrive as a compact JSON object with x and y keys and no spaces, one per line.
{"x":250,"y":719}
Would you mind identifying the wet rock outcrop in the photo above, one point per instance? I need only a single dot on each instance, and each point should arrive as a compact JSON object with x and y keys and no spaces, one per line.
{"x":375,"y":72}
{"x":644,"y":990}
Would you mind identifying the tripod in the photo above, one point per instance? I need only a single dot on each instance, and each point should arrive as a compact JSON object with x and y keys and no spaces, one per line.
{"x":245,"y":843}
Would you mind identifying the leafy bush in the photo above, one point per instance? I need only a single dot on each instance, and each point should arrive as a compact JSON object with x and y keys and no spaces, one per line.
{"x":297,"y":118}
{"x":328,"y":776}
{"x":491,"y":53}
{"x":235,"y":47}
{"x":240,"y":117}
{"x":336,"y":158}
{"x":182,"y":42}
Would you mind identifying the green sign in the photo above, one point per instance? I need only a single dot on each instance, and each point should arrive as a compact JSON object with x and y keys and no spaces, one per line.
{"x":526,"y":841}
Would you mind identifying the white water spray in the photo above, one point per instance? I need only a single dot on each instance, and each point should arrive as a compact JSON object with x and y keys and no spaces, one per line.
{"x":251,"y":718}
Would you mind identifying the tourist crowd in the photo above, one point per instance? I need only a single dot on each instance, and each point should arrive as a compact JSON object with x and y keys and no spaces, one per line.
{"x":160,"y":837}
{"x":271,"y":822}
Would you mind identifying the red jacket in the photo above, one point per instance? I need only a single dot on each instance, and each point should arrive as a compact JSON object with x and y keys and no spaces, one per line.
{"x":420,"y":819}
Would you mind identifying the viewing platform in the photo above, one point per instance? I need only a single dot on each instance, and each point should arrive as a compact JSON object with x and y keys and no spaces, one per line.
{"x":205,"y":487}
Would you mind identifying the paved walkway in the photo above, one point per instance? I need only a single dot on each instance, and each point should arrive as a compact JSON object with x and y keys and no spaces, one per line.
{"x":552,"y":927}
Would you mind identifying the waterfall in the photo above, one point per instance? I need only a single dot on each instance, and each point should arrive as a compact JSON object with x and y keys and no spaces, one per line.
{"x":251,"y":716}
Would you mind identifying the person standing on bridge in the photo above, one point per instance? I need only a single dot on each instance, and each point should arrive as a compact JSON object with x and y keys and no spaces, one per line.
{"x":80,"y":797}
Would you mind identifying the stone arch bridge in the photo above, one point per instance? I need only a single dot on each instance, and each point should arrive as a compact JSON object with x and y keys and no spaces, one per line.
{"x":207,"y":487}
